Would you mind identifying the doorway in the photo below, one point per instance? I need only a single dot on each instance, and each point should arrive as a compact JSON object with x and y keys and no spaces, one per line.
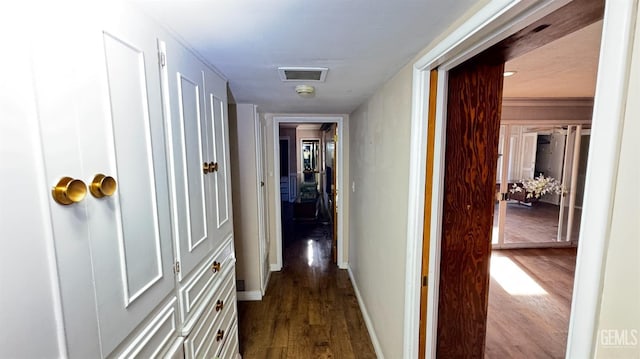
{"x":489,"y":26}
{"x":311,"y":202}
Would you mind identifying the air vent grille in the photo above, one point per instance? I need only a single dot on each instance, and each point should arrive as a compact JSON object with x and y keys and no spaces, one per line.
{"x":309,"y":74}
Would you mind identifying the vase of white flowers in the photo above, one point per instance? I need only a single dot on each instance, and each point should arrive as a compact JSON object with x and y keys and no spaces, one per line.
{"x":537,"y":187}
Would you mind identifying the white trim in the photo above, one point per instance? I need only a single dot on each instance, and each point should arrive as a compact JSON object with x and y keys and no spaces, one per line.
{"x":277,"y":120}
{"x":249,"y":295}
{"x":274,"y":267}
{"x":365,"y":315}
{"x":260,"y":189}
{"x":492,"y":23}
{"x":602,"y":167}
{"x":266,"y":284}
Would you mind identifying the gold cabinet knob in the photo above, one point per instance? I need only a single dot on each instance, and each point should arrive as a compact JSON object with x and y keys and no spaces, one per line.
{"x":103,"y":186}
{"x":219,"y":335}
{"x":205,"y":168}
{"x":213,"y":166}
{"x":68,"y":191}
{"x":219,"y":305}
{"x":215,"y":267}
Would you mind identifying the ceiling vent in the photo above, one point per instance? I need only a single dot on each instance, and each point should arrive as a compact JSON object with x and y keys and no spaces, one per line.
{"x":309,"y":74}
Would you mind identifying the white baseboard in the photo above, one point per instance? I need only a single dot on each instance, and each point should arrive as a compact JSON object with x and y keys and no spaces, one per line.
{"x":343,"y":265}
{"x":365,"y":315}
{"x":251,"y":295}
{"x":275,"y":267}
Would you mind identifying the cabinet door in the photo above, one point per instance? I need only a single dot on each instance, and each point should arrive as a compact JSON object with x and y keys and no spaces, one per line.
{"x":193,"y":214}
{"x":130,"y":231}
{"x":103,"y":99}
{"x":217,"y":138}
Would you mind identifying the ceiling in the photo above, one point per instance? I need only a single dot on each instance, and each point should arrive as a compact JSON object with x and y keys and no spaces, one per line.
{"x":362,"y":42}
{"x":564,"y":68}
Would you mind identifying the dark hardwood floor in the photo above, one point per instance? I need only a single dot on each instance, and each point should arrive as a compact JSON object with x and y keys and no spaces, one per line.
{"x":529,"y":303}
{"x":310,"y":309}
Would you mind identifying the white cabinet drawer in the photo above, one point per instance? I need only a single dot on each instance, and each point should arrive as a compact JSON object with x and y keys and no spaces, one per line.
{"x":230,"y":348}
{"x":209,"y":333}
{"x":156,"y":336}
{"x":199,"y":288}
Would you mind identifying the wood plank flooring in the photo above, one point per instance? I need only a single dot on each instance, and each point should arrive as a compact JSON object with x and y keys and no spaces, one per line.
{"x":535,"y":224}
{"x":532,"y":325}
{"x":310,"y":309}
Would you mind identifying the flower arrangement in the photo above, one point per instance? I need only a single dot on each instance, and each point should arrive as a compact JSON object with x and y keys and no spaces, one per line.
{"x":538,"y":187}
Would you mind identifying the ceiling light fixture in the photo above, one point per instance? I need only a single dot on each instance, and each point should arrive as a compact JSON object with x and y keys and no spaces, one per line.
{"x":510,"y":73}
{"x":305,"y":90}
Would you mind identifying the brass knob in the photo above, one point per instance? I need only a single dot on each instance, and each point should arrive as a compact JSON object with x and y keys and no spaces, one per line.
{"x":205,"y":168}
{"x":103,"y":186}
{"x":219,"y":305}
{"x":213,"y":166}
{"x":69,"y":190}
{"x":219,"y":335}
{"x":215,"y":267}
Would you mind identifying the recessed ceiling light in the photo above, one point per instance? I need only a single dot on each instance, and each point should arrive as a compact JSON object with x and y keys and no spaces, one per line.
{"x":510,"y":73}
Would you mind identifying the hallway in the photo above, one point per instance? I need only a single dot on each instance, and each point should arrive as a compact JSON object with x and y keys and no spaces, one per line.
{"x":310,"y":309}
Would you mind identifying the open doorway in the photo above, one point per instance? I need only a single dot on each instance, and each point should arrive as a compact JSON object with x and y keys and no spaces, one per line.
{"x":543,"y":147}
{"x":460,"y":246}
{"x":306,"y":190}
{"x":311,"y":211}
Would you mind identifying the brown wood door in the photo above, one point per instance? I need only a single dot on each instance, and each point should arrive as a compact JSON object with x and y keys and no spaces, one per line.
{"x":473,"y":124}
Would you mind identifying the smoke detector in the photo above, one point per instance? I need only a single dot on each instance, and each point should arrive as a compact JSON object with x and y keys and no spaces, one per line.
{"x":305,"y":90}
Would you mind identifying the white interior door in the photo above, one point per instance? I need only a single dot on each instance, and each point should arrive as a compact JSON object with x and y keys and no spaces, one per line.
{"x":193,"y":215}
{"x":528,"y":155}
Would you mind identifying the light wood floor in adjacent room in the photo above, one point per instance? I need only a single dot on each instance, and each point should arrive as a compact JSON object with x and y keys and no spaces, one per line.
{"x":310,"y":309}
{"x":529,"y":303}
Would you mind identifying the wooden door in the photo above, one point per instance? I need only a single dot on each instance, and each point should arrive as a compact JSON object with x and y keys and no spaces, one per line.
{"x":194,"y":218}
{"x":473,"y":126}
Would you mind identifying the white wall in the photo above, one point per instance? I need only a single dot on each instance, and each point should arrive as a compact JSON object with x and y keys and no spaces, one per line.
{"x":379,"y":168}
{"x":31,"y":324}
{"x":242,"y":147}
{"x":618,"y":329}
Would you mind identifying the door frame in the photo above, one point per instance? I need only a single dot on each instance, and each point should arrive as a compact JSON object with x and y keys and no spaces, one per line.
{"x":491,"y":24}
{"x":339,"y":120}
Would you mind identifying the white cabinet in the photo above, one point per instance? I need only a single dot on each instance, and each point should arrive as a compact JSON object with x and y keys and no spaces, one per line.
{"x":137,"y":267}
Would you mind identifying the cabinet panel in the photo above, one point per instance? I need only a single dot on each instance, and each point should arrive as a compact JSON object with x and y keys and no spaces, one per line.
{"x":197,"y":290}
{"x":137,"y":219}
{"x":114,"y":254}
{"x":159,"y":333}
{"x":220,"y":154}
{"x":129,"y":231}
{"x":213,"y":328}
{"x":186,"y":128}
